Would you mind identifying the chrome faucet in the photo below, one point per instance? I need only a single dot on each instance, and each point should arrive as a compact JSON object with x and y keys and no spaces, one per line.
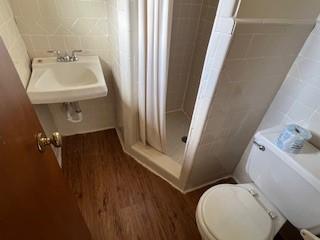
{"x":65,"y":57}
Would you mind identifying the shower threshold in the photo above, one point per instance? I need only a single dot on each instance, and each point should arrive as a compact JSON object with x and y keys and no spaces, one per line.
{"x":157,"y":162}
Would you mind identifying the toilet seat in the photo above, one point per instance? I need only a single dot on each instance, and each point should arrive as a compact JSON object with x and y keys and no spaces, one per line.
{"x":229,"y":212}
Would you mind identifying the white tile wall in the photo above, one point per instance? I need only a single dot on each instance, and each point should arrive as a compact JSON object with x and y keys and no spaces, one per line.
{"x":115,"y":62}
{"x":64,"y":25}
{"x":284,"y":9}
{"x":297,"y":101}
{"x":258,"y":60}
{"x":13,"y":41}
{"x":121,"y":38}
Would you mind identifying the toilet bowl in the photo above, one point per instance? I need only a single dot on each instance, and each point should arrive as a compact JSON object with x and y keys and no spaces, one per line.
{"x":281,"y":182}
{"x":239,"y":211}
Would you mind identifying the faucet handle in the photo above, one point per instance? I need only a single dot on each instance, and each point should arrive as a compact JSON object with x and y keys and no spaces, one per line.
{"x":74,"y":56}
{"x":57,"y":52}
{"x":76,"y":51}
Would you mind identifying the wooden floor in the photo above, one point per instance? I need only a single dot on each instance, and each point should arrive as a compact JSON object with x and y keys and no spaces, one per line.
{"x":120,"y":199}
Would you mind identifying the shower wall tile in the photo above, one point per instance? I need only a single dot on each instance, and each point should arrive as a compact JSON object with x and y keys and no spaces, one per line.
{"x":192,"y":25}
{"x":14,"y":42}
{"x":207,"y":17}
{"x":186,"y":17}
{"x":257,"y":63}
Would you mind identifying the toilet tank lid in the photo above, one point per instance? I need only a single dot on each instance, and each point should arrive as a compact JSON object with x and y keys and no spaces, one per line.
{"x":306,"y":163}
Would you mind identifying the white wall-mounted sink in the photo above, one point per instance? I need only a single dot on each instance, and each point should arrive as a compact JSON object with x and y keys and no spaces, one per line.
{"x":58,"y":82}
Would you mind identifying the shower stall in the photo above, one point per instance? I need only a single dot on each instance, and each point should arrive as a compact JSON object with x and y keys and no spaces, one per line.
{"x":170,"y":49}
{"x":196,"y":78}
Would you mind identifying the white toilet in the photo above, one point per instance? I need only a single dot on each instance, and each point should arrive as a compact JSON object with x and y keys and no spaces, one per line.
{"x":285,"y":186}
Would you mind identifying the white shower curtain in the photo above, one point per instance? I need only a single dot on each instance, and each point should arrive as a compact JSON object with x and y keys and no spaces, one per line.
{"x":154,"y":47}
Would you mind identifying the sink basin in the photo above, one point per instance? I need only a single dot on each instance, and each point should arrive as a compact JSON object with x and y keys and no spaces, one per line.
{"x":58,"y":82}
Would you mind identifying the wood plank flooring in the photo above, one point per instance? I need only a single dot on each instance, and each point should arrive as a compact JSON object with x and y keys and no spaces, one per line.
{"x":120,"y":199}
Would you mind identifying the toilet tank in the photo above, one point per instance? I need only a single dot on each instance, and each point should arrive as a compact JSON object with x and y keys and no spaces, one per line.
{"x":290,"y":181}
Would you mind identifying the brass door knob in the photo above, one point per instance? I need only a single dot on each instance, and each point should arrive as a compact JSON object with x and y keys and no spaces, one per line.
{"x":43,"y":141}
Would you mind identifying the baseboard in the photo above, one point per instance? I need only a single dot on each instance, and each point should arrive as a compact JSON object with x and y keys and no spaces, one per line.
{"x":236,"y":179}
{"x":90,"y":131}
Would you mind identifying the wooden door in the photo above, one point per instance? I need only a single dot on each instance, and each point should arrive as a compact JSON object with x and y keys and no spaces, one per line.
{"x":35,"y":202}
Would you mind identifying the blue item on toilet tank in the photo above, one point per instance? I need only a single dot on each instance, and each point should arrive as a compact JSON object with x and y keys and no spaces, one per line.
{"x":292,"y":138}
